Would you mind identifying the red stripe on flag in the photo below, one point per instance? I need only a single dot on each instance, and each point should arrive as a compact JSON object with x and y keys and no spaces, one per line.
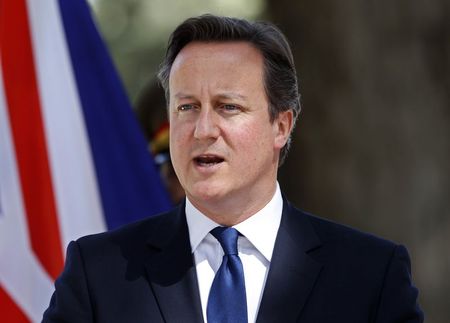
{"x":9,"y":311}
{"x":28,"y":132}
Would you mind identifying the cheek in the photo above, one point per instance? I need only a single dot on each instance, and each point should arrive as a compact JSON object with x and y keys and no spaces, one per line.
{"x":253,"y":141}
{"x":179,"y":131}
{"x":177,"y":143}
{"x":243,"y":136}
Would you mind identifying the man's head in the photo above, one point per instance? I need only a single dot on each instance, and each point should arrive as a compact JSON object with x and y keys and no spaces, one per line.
{"x":233,"y":100}
{"x":280,"y":78}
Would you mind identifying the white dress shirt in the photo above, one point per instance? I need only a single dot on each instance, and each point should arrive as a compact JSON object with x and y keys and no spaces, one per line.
{"x":255,"y":248}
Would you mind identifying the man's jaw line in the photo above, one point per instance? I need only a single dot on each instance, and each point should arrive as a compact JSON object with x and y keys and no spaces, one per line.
{"x":229,"y":210}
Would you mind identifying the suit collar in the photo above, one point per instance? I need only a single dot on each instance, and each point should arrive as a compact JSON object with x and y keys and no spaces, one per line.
{"x":290,"y":268}
{"x":171,"y":270}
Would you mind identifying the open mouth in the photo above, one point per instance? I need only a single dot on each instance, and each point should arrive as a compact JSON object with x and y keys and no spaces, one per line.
{"x":208,"y":160}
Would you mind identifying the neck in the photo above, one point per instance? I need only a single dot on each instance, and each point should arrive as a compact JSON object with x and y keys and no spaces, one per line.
{"x":229,"y":212}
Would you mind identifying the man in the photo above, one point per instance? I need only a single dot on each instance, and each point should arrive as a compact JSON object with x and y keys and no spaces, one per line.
{"x":232,"y":103}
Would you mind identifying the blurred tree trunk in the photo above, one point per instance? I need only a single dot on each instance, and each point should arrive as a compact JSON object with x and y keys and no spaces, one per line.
{"x":372,"y":148}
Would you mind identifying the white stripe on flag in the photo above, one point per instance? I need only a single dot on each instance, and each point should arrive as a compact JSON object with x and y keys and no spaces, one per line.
{"x":21,"y":274}
{"x":75,"y":183}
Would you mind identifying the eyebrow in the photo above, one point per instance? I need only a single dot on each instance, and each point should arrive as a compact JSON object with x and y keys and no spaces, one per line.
{"x":225,"y":95}
{"x":182,"y":95}
{"x":232,"y":95}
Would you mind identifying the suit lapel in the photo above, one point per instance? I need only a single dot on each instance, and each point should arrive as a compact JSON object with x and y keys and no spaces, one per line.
{"x":292,"y":272}
{"x":171,"y":270}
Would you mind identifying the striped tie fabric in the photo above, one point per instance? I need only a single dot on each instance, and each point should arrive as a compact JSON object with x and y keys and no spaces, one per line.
{"x":72,"y":158}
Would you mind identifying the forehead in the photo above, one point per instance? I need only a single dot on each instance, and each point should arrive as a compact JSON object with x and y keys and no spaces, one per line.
{"x":227,"y":54}
{"x":217,"y":61}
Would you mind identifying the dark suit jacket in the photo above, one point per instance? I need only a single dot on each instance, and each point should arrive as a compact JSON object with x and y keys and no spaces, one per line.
{"x":320,"y":272}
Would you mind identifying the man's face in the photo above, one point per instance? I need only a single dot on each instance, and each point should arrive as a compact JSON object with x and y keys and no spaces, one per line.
{"x":223,"y":146}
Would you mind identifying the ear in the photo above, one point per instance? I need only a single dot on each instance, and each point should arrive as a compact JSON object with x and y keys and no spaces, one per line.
{"x":283,"y":126}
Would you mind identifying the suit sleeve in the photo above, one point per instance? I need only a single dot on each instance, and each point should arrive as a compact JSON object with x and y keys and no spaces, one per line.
{"x":398,"y":300}
{"x":70,"y":302}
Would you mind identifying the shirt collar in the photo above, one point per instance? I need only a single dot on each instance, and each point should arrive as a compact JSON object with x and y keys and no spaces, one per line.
{"x":260,"y":229}
{"x":199,"y":225}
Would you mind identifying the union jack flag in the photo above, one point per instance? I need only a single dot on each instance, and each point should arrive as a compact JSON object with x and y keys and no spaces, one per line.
{"x":72,"y":158}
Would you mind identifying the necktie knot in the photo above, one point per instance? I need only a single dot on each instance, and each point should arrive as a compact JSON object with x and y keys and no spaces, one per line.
{"x":227,"y":238}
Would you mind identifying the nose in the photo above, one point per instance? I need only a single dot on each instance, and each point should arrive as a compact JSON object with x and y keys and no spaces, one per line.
{"x":206,"y":126}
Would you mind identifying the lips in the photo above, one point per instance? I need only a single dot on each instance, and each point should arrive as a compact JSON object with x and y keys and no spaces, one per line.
{"x":208,"y":160}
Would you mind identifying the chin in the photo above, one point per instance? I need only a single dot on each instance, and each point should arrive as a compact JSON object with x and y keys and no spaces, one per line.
{"x":206,"y":192}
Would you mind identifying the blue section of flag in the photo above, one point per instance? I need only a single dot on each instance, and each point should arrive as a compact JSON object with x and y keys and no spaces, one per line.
{"x":1,"y":209}
{"x":129,"y":184}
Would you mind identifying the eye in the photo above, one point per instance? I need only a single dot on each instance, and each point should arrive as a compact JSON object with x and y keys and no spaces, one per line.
{"x":231,"y":107}
{"x":185,"y":107}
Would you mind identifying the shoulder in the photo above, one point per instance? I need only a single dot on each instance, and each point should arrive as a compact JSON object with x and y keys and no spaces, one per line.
{"x":342,"y":243}
{"x":132,"y":235}
{"x":359,"y":268}
{"x":333,"y":232}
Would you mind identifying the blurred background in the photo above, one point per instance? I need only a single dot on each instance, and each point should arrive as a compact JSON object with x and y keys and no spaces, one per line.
{"x":372,"y":146}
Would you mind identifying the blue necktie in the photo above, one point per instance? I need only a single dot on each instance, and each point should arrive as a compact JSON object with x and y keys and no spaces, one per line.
{"x":227,"y":302}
